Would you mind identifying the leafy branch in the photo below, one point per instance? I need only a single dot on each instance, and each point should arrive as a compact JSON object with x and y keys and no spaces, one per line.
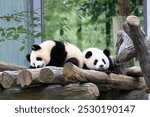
{"x":21,"y":31}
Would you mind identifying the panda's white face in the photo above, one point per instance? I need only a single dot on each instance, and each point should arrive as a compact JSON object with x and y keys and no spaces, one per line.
{"x":40,"y":55}
{"x":95,"y":59}
{"x":37,"y":62}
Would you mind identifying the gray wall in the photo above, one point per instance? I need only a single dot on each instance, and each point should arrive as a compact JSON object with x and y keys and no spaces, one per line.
{"x":147,"y":17}
{"x":9,"y":50}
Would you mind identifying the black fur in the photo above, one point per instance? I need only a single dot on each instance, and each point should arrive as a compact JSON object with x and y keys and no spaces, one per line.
{"x":88,"y":54}
{"x":73,"y":60}
{"x":36,"y":47}
{"x":58,"y":55}
{"x":106,"y":52}
{"x":28,"y":57}
{"x":115,"y":66}
{"x":85,"y":67}
{"x":111,"y":65}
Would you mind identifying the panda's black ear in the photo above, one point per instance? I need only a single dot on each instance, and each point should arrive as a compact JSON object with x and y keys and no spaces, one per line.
{"x":106,"y":52}
{"x":28,"y":57}
{"x":88,"y":54}
{"x":36,"y":47}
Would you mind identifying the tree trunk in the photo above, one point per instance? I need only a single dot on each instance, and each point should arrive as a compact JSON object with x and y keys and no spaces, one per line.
{"x":133,"y":29}
{"x":123,"y":6}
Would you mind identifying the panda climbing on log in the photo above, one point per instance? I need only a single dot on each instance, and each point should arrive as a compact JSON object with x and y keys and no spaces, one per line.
{"x":99,"y":60}
{"x":54,"y":53}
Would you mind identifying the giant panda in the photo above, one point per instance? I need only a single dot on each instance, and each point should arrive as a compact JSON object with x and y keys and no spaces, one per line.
{"x":97,"y":59}
{"x":54,"y":53}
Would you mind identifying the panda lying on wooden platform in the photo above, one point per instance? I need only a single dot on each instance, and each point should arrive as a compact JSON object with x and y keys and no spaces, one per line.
{"x":54,"y":53}
{"x":96,"y":59}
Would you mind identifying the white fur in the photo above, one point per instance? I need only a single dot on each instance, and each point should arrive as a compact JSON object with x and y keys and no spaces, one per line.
{"x":73,"y":51}
{"x":44,"y":53}
{"x":96,"y":54}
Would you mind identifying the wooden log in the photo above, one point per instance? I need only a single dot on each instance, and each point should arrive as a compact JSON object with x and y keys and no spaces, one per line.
{"x":122,"y":82}
{"x":24,"y":78}
{"x":133,"y":29}
{"x":52,"y":75}
{"x":49,"y":74}
{"x":9,"y":67}
{"x":30,"y":77}
{"x":87,"y":91}
{"x":134,"y":71}
{"x":105,"y":82}
{"x":8,"y":78}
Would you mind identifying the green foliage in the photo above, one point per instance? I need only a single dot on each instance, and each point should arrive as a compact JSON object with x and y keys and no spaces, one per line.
{"x":66,"y":20}
{"x":55,"y":22}
{"x":20,"y":31}
{"x":85,"y":23}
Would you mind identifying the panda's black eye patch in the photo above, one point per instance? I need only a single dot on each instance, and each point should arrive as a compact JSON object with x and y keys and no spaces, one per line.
{"x":39,"y":59}
{"x":95,"y":62}
{"x":88,"y":54}
{"x":104,"y":61}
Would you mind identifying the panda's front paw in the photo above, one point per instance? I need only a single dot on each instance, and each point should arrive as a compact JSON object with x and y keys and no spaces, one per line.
{"x":31,"y":67}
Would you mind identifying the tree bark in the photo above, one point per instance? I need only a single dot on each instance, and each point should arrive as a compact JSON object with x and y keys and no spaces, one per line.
{"x":125,"y":50}
{"x":133,"y":29}
{"x":135,"y":71}
{"x":123,"y":6}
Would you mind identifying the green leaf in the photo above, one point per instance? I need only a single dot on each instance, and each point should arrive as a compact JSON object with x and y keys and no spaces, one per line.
{"x":36,"y":18}
{"x":16,"y":36}
{"x":17,"y":19}
{"x":8,"y":18}
{"x":11,"y":28}
{"x":33,"y":25}
{"x":79,"y":30}
{"x":1,"y":29}
{"x":10,"y":33}
{"x":39,"y":34}
{"x":22,"y":48}
{"x":2,"y":34}
{"x":2,"y":40}
{"x":20,"y":27}
{"x":61,"y":32}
